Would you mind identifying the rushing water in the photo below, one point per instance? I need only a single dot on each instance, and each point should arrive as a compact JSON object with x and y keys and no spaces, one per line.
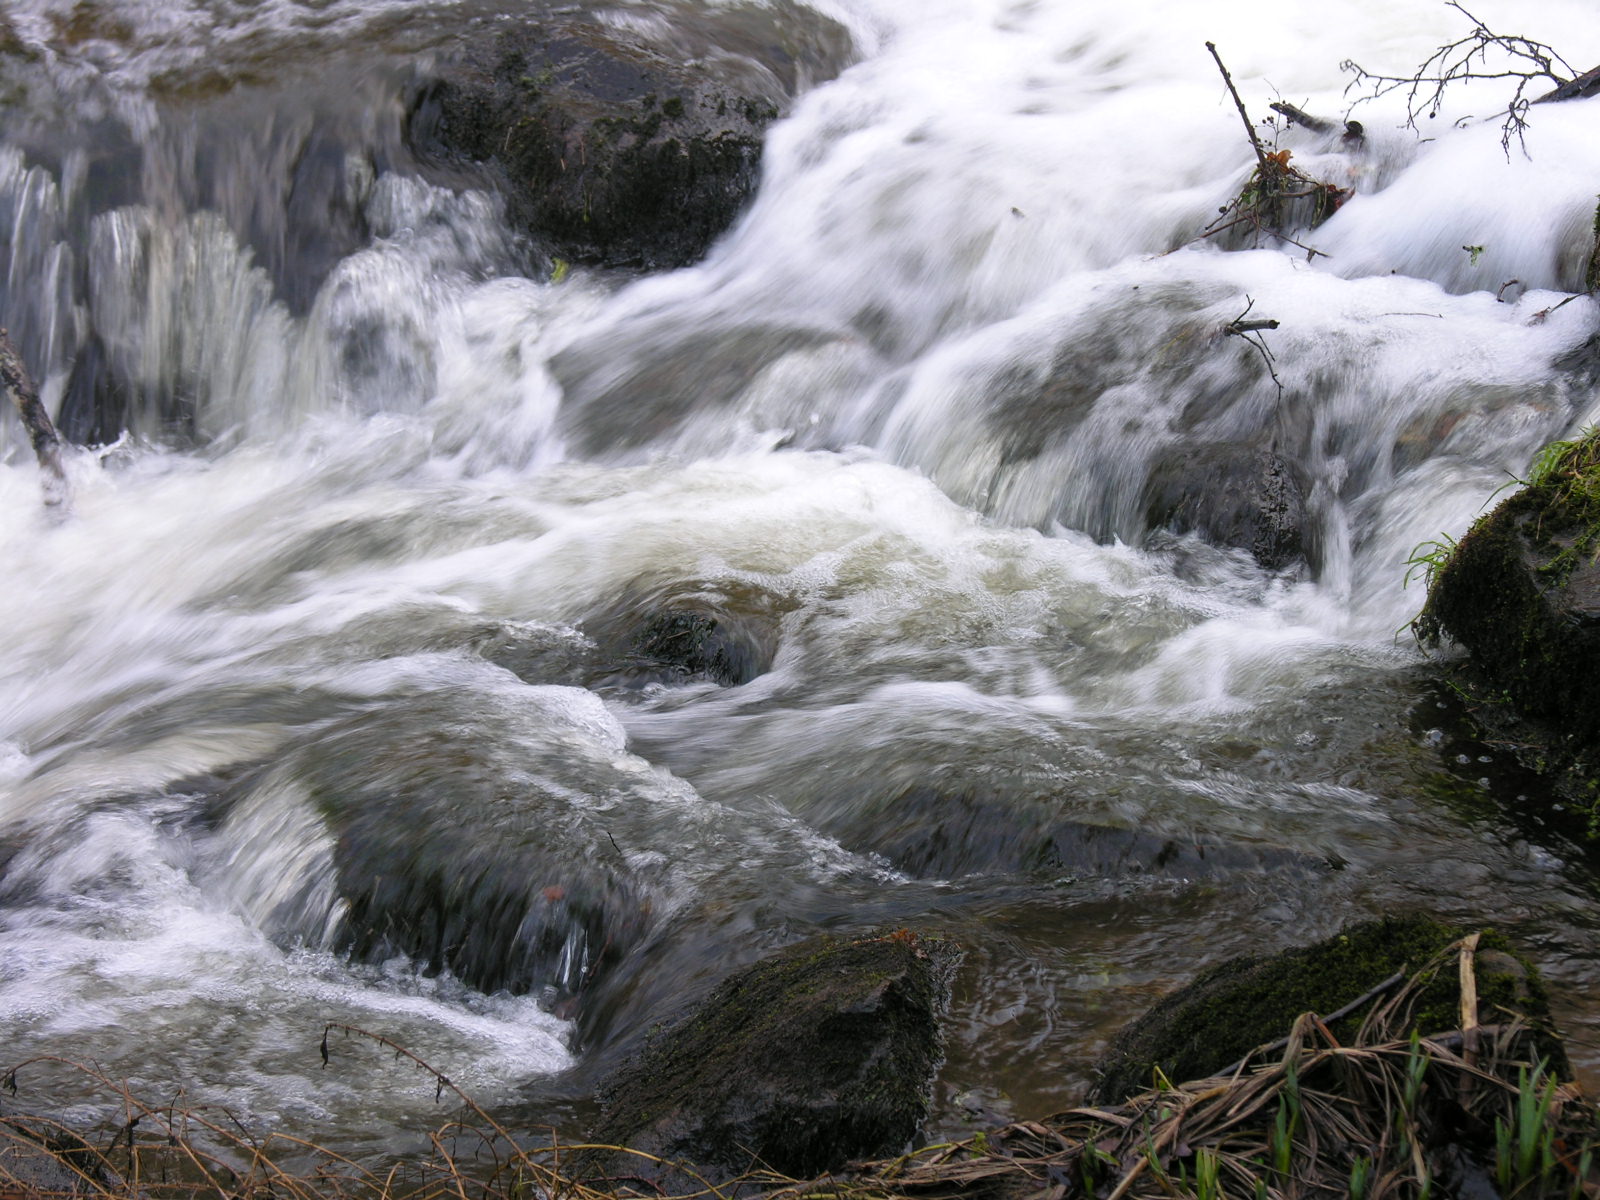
{"x":344,"y":604}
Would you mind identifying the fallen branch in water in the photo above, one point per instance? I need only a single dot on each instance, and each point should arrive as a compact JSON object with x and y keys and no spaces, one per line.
{"x":41,"y":433}
{"x":1300,"y":117}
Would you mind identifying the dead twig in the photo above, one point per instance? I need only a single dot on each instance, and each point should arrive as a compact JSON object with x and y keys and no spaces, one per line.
{"x":1515,"y":58}
{"x":41,"y":432}
{"x":1250,"y":331}
{"x":1249,"y":129}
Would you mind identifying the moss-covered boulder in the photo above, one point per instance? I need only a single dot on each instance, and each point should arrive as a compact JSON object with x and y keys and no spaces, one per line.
{"x":616,"y":148}
{"x":1521,"y":592}
{"x":1237,"y":1006}
{"x":820,"y":1054}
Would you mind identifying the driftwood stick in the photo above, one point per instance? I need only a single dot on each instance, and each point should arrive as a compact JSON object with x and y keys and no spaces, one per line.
{"x":1255,"y":142}
{"x":1300,"y":117}
{"x":46,"y":444}
{"x":1585,"y":85}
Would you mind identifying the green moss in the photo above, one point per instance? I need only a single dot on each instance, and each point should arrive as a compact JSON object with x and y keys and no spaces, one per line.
{"x":1591,"y":277}
{"x":1244,"y":1003}
{"x":1521,"y":592}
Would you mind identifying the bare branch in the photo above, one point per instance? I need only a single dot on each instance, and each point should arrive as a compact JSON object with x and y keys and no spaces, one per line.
{"x":1249,"y":129}
{"x":1480,"y":54}
{"x":41,"y":433}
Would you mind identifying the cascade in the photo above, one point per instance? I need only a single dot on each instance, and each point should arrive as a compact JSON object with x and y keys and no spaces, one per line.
{"x":487,"y":649}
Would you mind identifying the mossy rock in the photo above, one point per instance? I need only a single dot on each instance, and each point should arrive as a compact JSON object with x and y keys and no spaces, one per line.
{"x":1237,"y":1006}
{"x":821,"y":1054}
{"x":1521,"y":592}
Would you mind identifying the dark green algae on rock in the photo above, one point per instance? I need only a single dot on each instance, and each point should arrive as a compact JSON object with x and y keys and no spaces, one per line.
{"x":818,"y":1055}
{"x":1245,"y":1003}
{"x":1521,"y":593}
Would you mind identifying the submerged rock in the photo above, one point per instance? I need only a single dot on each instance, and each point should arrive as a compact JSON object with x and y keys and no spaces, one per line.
{"x":1239,"y":1005}
{"x":616,"y":149}
{"x":685,"y":633}
{"x":945,"y":833}
{"x":710,"y":634}
{"x":621,"y":397}
{"x":820,"y":1054}
{"x":1522,"y":593}
{"x":1233,"y":496}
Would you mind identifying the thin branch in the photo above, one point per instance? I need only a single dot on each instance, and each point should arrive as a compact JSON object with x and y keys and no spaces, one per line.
{"x":1250,"y":331}
{"x":41,"y":433}
{"x":1255,"y":142}
{"x":1463,"y":59}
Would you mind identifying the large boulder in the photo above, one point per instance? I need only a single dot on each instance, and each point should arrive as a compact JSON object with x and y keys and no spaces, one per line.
{"x":1521,"y":592}
{"x":1239,"y":1005}
{"x":820,"y":1054}
{"x":618,"y":149}
{"x":482,"y":840}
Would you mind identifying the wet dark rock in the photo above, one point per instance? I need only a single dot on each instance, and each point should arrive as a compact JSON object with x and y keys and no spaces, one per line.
{"x":1521,"y":592}
{"x":95,"y":409}
{"x":617,"y":150}
{"x":1234,"y":496}
{"x":687,"y":634}
{"x":1239,"y":1005}
{"x":820,"y":1054}
{"x":934,"y":833}
{"x":681,"y":634}
{"x":488,"y":897}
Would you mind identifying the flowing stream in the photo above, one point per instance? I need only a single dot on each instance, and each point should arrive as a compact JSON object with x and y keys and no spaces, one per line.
{"x":342,"y":608}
